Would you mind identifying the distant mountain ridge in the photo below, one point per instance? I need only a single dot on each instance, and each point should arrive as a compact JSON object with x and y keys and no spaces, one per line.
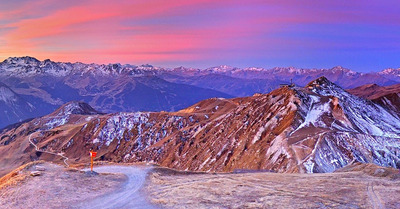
{"x":26,"y":66}
{"x":115,"y":87}
{"x":109,"y":88}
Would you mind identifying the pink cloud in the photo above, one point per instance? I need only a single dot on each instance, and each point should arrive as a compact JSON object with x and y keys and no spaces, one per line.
{"x":98,"y":27}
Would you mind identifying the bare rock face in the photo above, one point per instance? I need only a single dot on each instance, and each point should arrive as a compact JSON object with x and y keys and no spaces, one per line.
{"x":318,"y":128}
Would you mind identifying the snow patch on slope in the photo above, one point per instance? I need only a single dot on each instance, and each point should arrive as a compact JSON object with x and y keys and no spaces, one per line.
{"x":56,"y":121}
{"x":315,"y":112}
{"x":116,"y":126}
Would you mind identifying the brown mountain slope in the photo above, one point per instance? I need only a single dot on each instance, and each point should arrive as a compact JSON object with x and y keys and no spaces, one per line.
{"x":387,"y":96}
{"x":318,"y":128}
{"x":374,"y":91}
{"x":390,"y":101}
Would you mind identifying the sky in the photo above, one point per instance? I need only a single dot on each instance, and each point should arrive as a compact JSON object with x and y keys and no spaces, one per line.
{"x":361,"y":35}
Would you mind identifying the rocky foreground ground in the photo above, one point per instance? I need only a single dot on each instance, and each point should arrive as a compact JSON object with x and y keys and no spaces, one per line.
{"x":361,"y":186}
{"x":47,"y":185}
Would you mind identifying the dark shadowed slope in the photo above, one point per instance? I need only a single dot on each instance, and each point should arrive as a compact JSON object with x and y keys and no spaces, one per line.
{"x":13,"y":108}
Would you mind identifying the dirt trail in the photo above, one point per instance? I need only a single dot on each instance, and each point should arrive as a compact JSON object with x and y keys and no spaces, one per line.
{"x":129,"y":196}
{"x":52,"y":153}
{"x":374,"y":198}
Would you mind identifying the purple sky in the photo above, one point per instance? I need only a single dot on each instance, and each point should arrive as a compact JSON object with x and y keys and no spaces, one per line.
{"x":361,"y":35}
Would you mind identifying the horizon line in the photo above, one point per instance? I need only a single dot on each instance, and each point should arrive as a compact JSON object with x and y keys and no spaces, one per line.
{"x":198,"y":68}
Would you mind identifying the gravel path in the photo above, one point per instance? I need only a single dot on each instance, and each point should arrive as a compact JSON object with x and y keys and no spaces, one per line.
{"x":128,"y":196}
{"x":52,"y":153}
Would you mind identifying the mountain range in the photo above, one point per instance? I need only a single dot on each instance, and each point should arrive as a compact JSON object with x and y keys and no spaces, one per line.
{"x":317,"y":128}
{"x":42,"y":86}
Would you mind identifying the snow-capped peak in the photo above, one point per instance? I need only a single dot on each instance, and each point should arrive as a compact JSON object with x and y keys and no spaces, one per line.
{"x":29,"y":66}
{"x":221,"y":69}
{"x":390,"y":71}
{"x":342,"y":69}
{"x":22,"y":60}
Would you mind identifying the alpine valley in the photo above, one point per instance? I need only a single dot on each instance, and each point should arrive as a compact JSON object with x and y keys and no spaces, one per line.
{"x":31,"y":88}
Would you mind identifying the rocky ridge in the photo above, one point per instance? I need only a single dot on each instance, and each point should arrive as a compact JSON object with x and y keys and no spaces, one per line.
{"x":318,"y":128}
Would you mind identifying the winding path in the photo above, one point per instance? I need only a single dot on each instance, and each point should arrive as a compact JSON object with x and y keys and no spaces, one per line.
{"x":52,"y":153}
{"x":129,"y":195}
